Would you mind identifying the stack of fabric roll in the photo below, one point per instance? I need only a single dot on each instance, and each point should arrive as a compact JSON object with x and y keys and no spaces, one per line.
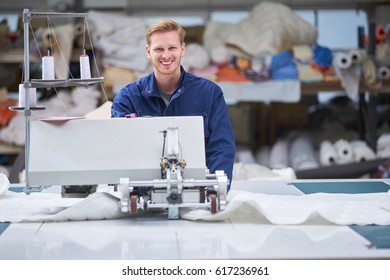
{"x":347,"y":66}
{"x":344,"y":152}
{"x":383,"y":146}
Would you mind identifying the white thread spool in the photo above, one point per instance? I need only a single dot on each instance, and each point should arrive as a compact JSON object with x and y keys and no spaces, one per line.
{"x":85,"y":69}
{"x":22,"y":96}
{"x":48,"y":68}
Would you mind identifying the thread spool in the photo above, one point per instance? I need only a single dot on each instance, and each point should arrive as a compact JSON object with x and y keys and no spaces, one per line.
{"x":22,"y":96}
{"x":384,"y":73}
{"x":85,"y":69}
{"x":48,"y":67}
{"x":342,"y":60}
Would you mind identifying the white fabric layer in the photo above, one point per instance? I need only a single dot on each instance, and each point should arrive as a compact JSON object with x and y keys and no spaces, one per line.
{"x":39,"y":207}
{"x":341,"y":209}
{"x":4,"y":184}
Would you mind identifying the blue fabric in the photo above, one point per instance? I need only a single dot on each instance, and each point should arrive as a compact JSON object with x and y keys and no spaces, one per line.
{"x":322,"y":56}
{"x":283,"y":66}
{"x":195,"y":96}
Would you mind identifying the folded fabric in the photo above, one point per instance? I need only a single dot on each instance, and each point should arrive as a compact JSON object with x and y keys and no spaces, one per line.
{"x":323,"y":56}
{"x":283,"y":66}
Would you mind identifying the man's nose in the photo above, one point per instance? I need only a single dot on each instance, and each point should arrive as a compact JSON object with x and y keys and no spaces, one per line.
{"x":166,"y":54}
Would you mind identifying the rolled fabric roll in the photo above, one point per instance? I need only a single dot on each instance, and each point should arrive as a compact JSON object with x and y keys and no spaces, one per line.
{"x":387,"y":31}
{"x":262,"y":155}
{"x":361,"y":151}
{"x":382,"y":52}
{"x":79,"y":28}
{"x":383,"y":73}
{"x":245,"y":156}
{"x":357,"y":56}
{"x":278,"y":157}
{"x":302,"y":154}
{"x":328,"y":155}
{"x":342,"y":60}
{"x":48,"y":38}
{"x":369,"y":71}
{"x":383,"y":146}
{"x":383,"y":142}
{"x":344,"y":151}
{"x":60,"y":40}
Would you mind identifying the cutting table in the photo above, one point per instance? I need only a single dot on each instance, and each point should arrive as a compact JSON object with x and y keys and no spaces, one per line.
{"x":153,"y":236}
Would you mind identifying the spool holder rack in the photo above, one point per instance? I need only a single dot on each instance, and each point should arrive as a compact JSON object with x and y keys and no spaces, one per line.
{"x":35,"y":83}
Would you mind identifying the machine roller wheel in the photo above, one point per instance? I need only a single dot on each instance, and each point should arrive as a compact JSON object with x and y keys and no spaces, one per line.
{"x":213,"y":203}
{"x":133,"y":204}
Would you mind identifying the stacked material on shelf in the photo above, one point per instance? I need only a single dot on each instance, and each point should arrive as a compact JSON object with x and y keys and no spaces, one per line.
{"x":121,"y":38}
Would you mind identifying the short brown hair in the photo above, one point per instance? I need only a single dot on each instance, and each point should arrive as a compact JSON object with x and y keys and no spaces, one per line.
{"x":165,"y":25}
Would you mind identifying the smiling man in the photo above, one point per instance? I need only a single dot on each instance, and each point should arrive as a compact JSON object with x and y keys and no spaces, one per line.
{"x":171,"y":91}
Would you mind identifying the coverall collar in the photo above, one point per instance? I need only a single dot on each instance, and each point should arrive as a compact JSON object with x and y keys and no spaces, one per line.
{"x":151,"y":89}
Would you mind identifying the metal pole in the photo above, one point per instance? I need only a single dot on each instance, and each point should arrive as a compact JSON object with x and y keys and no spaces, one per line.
{"x":27,"y":111}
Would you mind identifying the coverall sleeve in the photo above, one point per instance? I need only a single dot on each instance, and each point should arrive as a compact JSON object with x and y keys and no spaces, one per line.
{"x":220,"y":146}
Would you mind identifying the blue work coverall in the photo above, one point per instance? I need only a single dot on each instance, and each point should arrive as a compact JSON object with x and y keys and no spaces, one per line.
{"x":194,"y":96}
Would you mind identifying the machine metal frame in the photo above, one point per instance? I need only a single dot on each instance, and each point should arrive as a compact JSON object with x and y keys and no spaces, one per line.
{"x":173,"y":191}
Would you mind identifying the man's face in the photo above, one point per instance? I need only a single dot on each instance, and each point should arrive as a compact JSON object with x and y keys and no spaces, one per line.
{"x":165,"y":52}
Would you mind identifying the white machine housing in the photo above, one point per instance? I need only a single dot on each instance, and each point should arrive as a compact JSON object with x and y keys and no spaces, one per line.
{"x":128,"y":153}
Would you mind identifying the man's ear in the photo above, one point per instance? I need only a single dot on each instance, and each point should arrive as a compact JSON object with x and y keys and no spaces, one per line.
{"x":147,"y":49}
{"x":183,"y":49}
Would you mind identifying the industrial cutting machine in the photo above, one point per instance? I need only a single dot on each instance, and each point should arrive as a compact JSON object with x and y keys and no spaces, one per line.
{"x":151,"y":163}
